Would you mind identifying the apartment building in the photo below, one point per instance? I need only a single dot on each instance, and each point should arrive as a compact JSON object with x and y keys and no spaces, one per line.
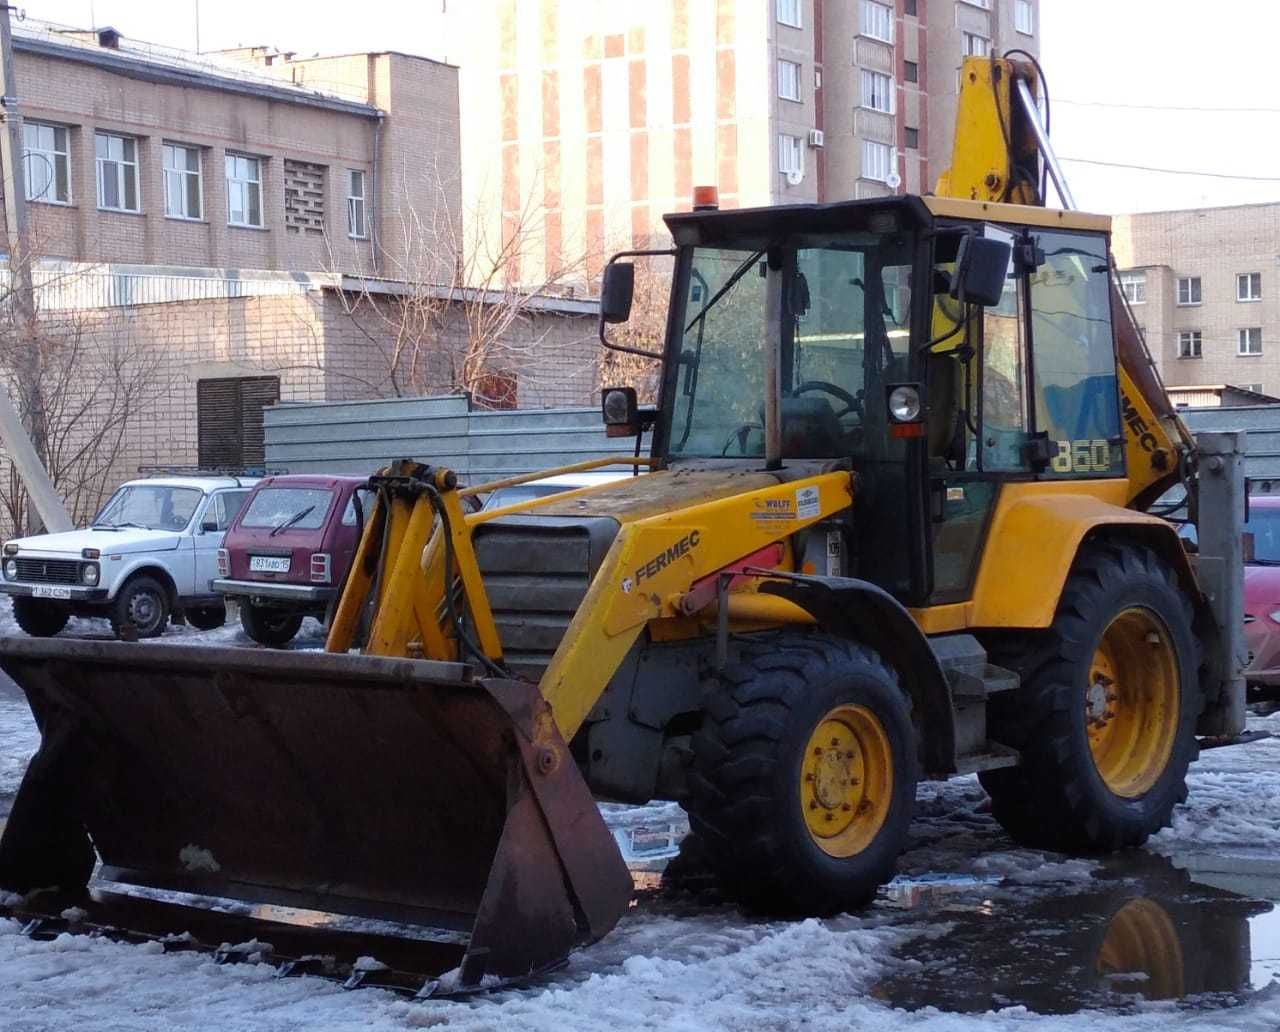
{"x":242,"y":159}
{"x":1204,"y":284}
{"x":587,"y":121}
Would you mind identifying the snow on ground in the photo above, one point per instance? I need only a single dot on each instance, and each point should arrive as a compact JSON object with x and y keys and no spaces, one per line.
{"x":672,"y":963}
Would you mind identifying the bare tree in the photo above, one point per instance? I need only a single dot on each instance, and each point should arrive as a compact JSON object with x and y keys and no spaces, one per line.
{"x":645,"y":330}
{"x":457,"y":309}
{"x":76,"y":390}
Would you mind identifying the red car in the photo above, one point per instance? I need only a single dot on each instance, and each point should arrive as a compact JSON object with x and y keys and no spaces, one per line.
{"x":1262,"y":592}
{"x":286,"y":553}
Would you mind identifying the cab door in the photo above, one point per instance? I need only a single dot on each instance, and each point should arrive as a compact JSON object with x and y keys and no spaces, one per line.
{"x":220,"y":509}
{"x":980,"y":425}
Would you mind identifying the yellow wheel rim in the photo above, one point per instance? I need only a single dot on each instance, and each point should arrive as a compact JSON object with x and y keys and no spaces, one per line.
{"x":846,"y":780}
{"x":1131,"y":702}
{"x":1141,"y":938}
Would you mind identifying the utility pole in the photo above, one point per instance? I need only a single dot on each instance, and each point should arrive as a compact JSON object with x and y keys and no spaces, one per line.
{"x":14,"y":436}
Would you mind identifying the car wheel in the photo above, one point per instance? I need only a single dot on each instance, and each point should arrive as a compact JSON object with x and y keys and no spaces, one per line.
{"x":39,"y":618}
{"x":269,"y":626}
{"x":207,"y":618}
{"x":141,"y":609}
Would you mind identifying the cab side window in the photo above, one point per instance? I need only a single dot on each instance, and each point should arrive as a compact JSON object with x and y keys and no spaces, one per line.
{"x":1073,"y":356}
{"x":224,"y":507}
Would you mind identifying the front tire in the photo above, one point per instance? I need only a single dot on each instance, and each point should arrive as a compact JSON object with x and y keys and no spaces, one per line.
{"x":39,"y":618}
{"x":141,"y":609}
{"x":1106,"y":713}
{"x":804,"y":776}
{"x":274,"y":627}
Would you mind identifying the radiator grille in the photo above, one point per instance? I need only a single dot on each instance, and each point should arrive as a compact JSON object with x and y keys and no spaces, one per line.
{"x":49,"y":571}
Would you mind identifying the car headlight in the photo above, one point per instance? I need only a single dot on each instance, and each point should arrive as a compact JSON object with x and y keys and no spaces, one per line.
{"x":11,"y":569}
{"x":89,"y":573}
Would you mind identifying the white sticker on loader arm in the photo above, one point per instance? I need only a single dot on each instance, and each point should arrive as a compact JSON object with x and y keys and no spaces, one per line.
{"x":808,"y":503}
{"x":196,"y":859}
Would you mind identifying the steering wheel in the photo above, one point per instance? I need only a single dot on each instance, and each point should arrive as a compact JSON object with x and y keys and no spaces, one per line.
{"x":851,"y":402}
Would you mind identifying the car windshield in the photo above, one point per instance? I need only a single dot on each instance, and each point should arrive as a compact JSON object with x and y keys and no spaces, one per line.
{"x":150,"y":506}
{"x":292,"y":508}
{"x":1264,"y":525}
{"x":844,"y":328}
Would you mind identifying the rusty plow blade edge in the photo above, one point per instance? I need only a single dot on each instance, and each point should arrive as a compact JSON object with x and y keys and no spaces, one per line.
{"x":375,"y":788}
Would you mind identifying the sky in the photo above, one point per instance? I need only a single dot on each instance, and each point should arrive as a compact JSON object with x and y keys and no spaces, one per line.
{"x":1165,"y":84}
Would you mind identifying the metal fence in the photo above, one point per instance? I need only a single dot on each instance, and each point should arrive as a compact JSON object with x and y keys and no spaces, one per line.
{"x":1262,"y":424}
{"x":359,"y":436}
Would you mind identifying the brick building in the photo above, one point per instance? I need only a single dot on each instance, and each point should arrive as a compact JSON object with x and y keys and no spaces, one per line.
{"x":1204,"y":284}
{"x":221,"y":231}
{"x":599,"y":117}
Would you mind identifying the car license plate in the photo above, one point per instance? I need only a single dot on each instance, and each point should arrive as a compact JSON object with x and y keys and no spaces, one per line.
{"x":269,"y":563}
{"x":49,"y":591}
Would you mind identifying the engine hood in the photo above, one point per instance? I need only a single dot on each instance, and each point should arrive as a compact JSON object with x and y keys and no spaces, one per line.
{"x":651,"y":494}
{"x":125,"y":541}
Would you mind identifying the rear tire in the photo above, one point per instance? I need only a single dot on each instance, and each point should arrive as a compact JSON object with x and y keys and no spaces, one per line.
{"x":804,"y":776}
{"x":1105,"y":716}
{"x":39,"y":618}
{"x":143,"y":605}
{"x":207,"y":618}
{"x":274,"y":627}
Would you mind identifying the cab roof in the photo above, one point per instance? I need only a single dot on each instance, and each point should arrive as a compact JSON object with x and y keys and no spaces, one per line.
{"x":199,"y":483}
{"x":880,"y":214}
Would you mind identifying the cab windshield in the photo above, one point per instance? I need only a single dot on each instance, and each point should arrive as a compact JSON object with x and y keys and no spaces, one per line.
{"x":149,"y":507}
{"x":844,"y":330}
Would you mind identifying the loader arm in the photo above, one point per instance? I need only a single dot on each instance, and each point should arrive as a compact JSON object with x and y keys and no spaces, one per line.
{"x":998,"y":145}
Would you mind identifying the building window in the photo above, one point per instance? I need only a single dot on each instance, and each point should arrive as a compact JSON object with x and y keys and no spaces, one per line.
{"x":1189,"y":290}
{"x":1249,"y":342}
{"x":1134,"y":285}
{"x":1189,"y":344}
{"x":877,"y":21}
{"x":789,"y":13}
{"x":877,"y":161}
{"x":229,"y":422}
{"x":244,"y":191}
{"x":1249,"y":286}
{"x":1024,"y":17}
{"x":788,"y":80}
{"x":984,"y":4}
{"x":976,"y":46}
{"x":877,"y":91}
{"x":790,"y":154}
{"x":47,"y":163}
{"x":911,"y":71}
{"x":909,"y":8}
{"x":912,"y":138}
{"x":357,"y":227}
{"x":183,"y":196}
{"x":117,"y":158}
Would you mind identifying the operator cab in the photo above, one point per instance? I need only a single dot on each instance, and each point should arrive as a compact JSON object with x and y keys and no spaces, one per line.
{"x":936,"y":348}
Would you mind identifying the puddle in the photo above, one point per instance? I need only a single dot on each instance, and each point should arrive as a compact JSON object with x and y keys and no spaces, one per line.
{"x":1144,"y":929}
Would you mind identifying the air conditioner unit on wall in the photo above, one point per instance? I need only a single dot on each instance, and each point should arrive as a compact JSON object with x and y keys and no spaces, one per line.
{"x":816,"y":138}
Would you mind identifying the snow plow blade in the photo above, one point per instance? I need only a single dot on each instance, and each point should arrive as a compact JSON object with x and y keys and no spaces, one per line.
{"x":388,"y":789}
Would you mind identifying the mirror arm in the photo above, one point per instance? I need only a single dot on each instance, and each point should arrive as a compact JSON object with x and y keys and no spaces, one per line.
{"x":626,"y":349}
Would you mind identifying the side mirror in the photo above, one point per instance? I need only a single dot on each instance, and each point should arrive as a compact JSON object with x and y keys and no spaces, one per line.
{"x":617,"y":292}
{"x":209,"y":525}
{"x":620,"y":411}
{"x":981,"y":268}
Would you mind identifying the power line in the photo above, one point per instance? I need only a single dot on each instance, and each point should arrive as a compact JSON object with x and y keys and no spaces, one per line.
{"x":1209,"y":109}
{"x":1174,"y":171}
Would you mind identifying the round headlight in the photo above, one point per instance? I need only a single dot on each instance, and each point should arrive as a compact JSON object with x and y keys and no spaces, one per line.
{"x":90,"y":573}
{"x":904,"y":404}
{"x":11,"y":569}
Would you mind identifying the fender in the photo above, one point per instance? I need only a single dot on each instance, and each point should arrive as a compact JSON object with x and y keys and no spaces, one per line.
{"x":861,"y":611}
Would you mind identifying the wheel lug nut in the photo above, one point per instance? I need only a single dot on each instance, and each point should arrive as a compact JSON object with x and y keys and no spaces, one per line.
{"x":835,"y":742}
{"x":808,"y":777}
{"x":830,"y":816}
{"x":846,"y":807}
{"x":817,"y":750}
{"x":813,"y":804}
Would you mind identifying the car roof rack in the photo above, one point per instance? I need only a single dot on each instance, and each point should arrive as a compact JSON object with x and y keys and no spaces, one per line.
{"x":222,"y":472}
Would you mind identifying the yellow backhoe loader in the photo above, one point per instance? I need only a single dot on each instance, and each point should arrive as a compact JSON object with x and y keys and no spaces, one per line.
{"x":899,"y":520}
